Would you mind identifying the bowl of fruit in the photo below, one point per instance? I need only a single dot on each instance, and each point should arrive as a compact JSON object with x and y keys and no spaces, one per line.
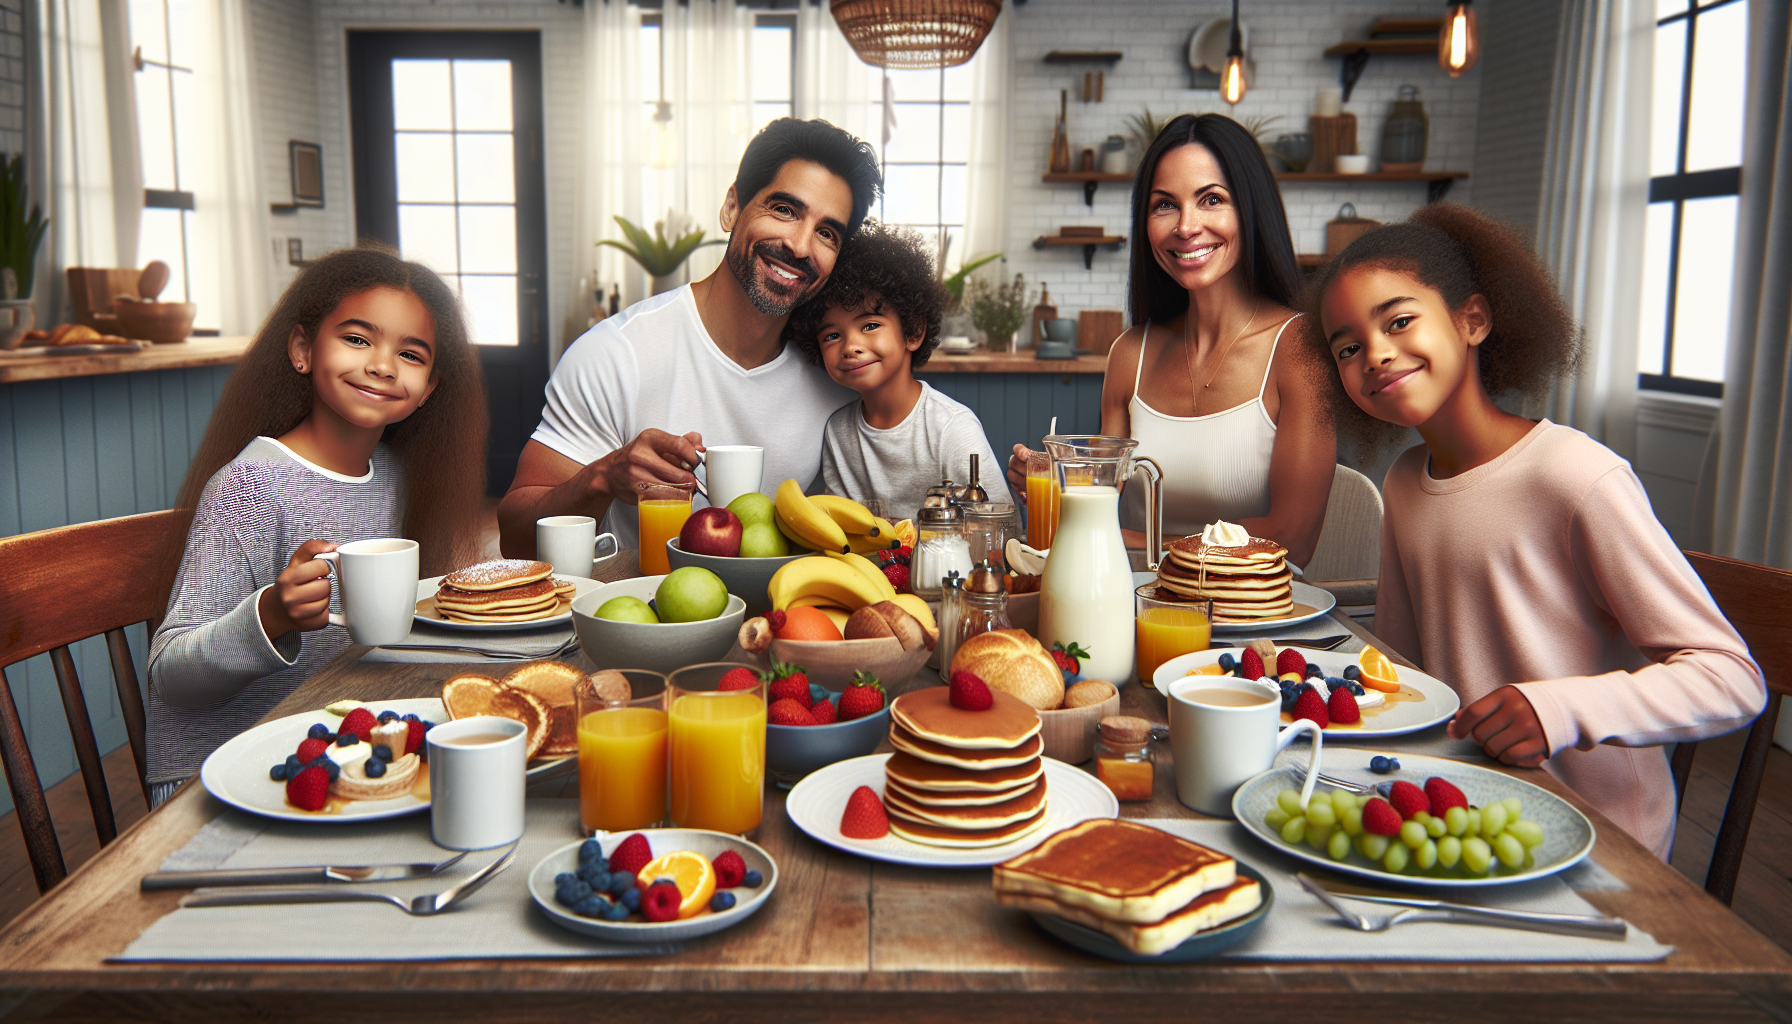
{"x":884,"y":639}
{"x":655,"y":885}
{"x":809,"y":727}
{"x":659,"y":623}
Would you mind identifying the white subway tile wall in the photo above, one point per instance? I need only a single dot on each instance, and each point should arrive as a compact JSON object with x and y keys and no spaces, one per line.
{"x":12,"y":76}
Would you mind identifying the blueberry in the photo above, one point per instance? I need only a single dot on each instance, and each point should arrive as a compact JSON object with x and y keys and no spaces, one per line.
{"x":721,"y":901}
{"x":332,"y":769}
{"x":592,"y":906}
{"x":752,"y":879}
{"x":1313,"y":670}
{"x":1356,"y":689}
{"x":1288,"y":700}
{"x":427,"y":724}
{"x":564,"y":877}
{"x":381,"y":752}
{"x":374,"y":767}
{"x":590,"y":848}
{"x":632,"y":899}
{"x":410,"y":718}
{"x":577,"y":889}
{"x":347,"y":739}
{"x":319,"y":731}
{"x":293,"y":765}
{"x":1378,"y":763}
{"x":1238,"y":670}
{"x":600,"y":880}
{"x":387,"y":716}
{"x":1333,"y":682}
{"x":617,"y":912}
{"x":563,"y":896}
{"x":1393,"y":764}
{"x":278,"y":772}
{"x":620,"y":882}
{"x":1352,"y":673}
{"x":1228,"y":662}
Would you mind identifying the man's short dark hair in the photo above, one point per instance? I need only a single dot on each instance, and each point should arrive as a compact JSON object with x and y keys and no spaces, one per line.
{"x":788,"y":139}
{"x":885,"y":270}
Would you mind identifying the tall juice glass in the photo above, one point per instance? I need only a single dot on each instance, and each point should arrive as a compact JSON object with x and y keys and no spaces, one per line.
{"x":1166,"y":629}
{"x":622,"y":753}
{"x":1043,"y":496}
{"x":717,"y":751}
{"x":660,"y":512}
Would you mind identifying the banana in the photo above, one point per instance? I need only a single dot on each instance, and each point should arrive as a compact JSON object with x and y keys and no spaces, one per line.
{"x":797,"y":544}
{"x":837,"y":616}
{"x":839,"y":583}
{"x":870,"y":571}
{"x":813,"y":527}
{"x":863,"y":545}
{"x":886,"y":530}
{"x":849,"y":514}
{"x":916,"y":607}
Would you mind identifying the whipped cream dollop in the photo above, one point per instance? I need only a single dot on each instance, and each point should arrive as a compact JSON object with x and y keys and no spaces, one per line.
{"x":1222,"y":534}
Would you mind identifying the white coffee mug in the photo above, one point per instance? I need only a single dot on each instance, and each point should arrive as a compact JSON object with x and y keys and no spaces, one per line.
{"x":1217,"y":746}
{"x":379,"y":589}
{"x":476,"y":782}
{"x":569,"y":544}
{"x":732,"y":470}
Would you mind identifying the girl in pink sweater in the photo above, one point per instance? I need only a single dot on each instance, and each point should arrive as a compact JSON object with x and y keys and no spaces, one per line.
{"x":1520,"y":560}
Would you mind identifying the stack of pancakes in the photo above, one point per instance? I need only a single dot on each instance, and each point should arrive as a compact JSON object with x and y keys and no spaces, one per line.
{"x":502,"y":590}
{"x":963,"y":779}
{"x":1245,"y":583}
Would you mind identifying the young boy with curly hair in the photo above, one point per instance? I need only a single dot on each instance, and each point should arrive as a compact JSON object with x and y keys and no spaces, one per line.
{"x":875,"y":322}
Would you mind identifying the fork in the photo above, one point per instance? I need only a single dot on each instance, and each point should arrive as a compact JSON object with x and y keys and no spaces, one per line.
{"x":1437,"y":910}
{"x":495,"y":655}
{"x":418,"y":906}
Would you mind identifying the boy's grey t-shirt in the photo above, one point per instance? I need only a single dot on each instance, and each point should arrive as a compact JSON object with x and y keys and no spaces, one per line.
{"x":898,"y":465}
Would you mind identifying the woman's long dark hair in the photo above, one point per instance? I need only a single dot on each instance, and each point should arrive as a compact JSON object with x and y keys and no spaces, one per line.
{"x":441,"y":446}
{"x":1265,"y":250}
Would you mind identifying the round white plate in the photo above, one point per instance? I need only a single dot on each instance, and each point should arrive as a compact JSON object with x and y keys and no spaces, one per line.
{"x":1321,"y":601}
{"x":1567,"y":834}
{"x":816,"y":803}
{"x":426,"y":609}
{"x":662,"y":841}
{"x":1423,"y":701}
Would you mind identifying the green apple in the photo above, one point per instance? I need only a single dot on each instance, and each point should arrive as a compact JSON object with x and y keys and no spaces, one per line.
{"x":691,"y":594}
{"x":752,"y":508}
{"x":762,"y":540}
{"x":626,"y":609}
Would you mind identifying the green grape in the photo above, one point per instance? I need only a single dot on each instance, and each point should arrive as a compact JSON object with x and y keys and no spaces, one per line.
{"x":1276,"y":818}
{"x":1422,"y":817}
{"x":1529,"y":861}
{"x":1413,"y":834}
{"x":1338,"y":846}
{"x":1449,"y":851}
{"x":1456,"y":821}
{"x":1373,"y":846}
{"x":1514,"y":808}
{"x":1426,"y":855}
{"x":1318,"y":835}
{"x":1362,"y":799}
{"x":1528,"y":832}
{"x":1342,"y":802}
{"x":1477,"y":856}
{"x":1351,"y":821}
{"x":1493,"y":821}
{"x":1436,"y":827}
{"x":1320,"y":812}
{"x":1474,"y":822}
{"x":1396,"y":858}
{"x":1509,"y":850}
{"x":1289,"y":800}
{"x":1294,"y":830}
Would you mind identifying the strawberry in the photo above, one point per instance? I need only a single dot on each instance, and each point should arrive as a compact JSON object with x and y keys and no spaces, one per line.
{"x":1253,"y":664}
{"x":1409,"y":799}
{"x":659,"y":902}
{"x":898,"y":575}
{"x":310,"y":749}
{"x":631,"y":855}
{"x":730,"y":869}
{"x":1289,"y":660}
{"x":1380,"y":818}
{"x":788,"y":681}
{"x":775,"y":619}
{"x":863,"y":696}
{"x":738,"y":679}
{"x":905,"y":552}
{"x":864,"y":817}
{"x":309,"y":790}
{"x":358,"y":723}
{"x":1070,"y":660}
{"x":1444,"y":795}
{"x":970,"y":693}
{"x":1310,"y":705}
{"x":1342,"y":707}
{"x":788,"y":712}
{"x":413,"y":742}
{"x":824,"y":712}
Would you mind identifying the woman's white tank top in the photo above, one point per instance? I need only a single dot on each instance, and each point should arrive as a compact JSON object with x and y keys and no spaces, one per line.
{"x":1215,"y":466}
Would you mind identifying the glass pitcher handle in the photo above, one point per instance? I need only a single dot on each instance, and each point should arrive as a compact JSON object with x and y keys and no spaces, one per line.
{"x":1154,"y":500}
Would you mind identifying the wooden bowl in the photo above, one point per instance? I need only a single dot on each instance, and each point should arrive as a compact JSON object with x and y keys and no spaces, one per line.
{"x":832,"y":662}
{"x":1070,"y":734}
{"x":160,"y":322}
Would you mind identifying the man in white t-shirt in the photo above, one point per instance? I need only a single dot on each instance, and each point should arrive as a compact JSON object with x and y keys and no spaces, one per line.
{"x":634,"y":400}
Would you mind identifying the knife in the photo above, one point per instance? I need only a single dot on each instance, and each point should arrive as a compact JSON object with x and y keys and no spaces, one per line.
{"x":294,"y":876}
{"x":1319,"y":643}
{"x":1566,"y":924}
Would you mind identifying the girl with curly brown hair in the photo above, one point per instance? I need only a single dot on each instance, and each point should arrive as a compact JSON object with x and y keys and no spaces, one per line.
{"x":1520,"y":560}
{"x":358,"y":412}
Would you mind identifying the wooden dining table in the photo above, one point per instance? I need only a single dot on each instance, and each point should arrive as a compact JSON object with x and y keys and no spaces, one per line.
{"x":846,"y":938}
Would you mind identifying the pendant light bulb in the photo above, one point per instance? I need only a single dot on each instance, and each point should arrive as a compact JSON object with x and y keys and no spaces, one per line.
{"x":1232,"y":83}
{"x":662,"y":144}
{"x":1458,"y":43}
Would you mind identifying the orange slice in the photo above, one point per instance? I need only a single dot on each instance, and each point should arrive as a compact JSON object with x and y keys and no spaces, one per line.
{"x":691,"y":872}
{"x":1378,"y":671}
{"x":1206,"y":670}
{"x":905,"y":531}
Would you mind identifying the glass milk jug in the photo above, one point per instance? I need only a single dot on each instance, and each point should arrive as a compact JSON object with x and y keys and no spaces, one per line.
{"x":1086,"y":595}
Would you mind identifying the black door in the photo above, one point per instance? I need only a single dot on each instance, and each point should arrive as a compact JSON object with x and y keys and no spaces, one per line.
{"x":447,"y":137}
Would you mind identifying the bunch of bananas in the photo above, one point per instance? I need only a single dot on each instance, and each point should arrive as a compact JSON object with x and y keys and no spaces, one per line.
{"x":843,"y":582}
{"x":826,"y":522}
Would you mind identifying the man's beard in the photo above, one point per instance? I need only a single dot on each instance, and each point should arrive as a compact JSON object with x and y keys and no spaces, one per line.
{"x":762,"y":294}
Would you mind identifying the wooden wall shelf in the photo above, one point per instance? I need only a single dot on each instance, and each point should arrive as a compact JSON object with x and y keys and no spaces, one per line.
{"x":1088,"y":179}
{"x":1438,"y":182}
{"x":1384,"y":47}
{"x":1108,"y":57}
{"x":1089,"y":243}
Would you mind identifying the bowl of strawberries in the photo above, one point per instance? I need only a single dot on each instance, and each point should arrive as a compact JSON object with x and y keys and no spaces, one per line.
{"x":802,"y":735}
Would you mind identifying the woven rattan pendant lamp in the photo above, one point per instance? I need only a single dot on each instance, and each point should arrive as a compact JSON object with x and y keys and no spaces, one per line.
{"x":910,"y":34}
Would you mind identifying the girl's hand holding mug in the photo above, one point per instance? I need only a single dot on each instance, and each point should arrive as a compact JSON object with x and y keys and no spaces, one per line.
{"x":300,"y":597}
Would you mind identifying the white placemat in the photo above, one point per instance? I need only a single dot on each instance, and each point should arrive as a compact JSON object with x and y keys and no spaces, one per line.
{"x":524,"y":644}
{"x":1302,"y":928}
{"x":500,"y":920}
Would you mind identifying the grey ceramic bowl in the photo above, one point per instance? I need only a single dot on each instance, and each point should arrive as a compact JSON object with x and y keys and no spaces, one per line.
{"x":656,"y":646}
{"x":793,"y":751}
{"x":746,"y":578}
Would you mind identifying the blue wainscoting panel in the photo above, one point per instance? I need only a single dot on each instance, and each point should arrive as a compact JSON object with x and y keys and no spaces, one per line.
{"x":1016,"y":408}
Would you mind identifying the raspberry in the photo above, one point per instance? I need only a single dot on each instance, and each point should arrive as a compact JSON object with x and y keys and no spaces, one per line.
{"x":730,"y":869}
{"x":738,"y":679}
{"x":660,"y":902}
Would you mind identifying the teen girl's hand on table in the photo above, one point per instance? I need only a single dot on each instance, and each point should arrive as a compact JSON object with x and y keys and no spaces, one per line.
{"x":300,"y":596}
{"x":1506,"y":726}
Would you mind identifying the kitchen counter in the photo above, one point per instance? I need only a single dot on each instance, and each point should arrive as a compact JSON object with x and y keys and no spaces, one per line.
{"x":178,"y":356}
{"x":1011,"y":362}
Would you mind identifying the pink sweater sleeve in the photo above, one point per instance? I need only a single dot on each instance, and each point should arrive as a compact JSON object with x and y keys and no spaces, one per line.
{"x":1701,"y":682}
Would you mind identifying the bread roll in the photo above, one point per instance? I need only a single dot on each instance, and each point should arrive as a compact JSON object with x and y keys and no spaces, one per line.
{"x":1012,"y":661}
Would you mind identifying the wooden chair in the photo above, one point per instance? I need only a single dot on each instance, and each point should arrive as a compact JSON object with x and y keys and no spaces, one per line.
{"x":1756,"y":599}
{"x":63,"y":586}
{"x":1347,"y":560}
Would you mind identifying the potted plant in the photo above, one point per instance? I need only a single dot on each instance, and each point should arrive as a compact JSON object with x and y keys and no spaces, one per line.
{"x":662,"y":253}
{"x":998,"y":310}
{"x":22,"y":227}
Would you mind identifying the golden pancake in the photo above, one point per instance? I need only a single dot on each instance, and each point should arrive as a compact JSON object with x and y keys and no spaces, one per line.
{"x":352,"y":782}
{"x":1119,"y":869}
{"x":929,"y":834}
{"x":919,"y":776}
{"x":974,"y":817}
{"x":498,"y":574}
{"x":1206,"y":911}
{"x":470,"y":694}
{"x":924,"y":798}
{"x":494,"y":600}
{"x":1258,"y":549}
{"x":975,"y":760}
{"x":928,"y":714}
{"x":544,"y":612}
{"x":552,"y":683}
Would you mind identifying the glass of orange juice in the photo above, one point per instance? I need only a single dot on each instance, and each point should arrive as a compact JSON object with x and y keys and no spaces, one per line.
{"x":1166,"y":629}
{"x":660,"y":512}
{"x":717,"y":751}
{"x":1042,"y":501}
{"x":622,"y":754}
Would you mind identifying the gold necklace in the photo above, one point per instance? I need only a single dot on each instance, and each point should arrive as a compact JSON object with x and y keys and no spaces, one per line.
{"x":1189,"y":355}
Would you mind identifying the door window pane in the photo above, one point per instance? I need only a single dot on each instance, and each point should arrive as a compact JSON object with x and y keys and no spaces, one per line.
{"x":1664,"y":134}
{"x":1719,"y":62}
{"x":957,"y":136}
{"x":1651,"y":339}
{"x":149,"y":30}
{"x":911,"y":193}
{"x":159,"y":238}
{"x":915,"y":86}
{"x":917,"y":135}
{"x":421,"y":95}
{"x":952,"y":192}
{"x":155,"y":128}
{"x":425,"y":167}
{"x":488,"y":239}
{"x":1702,"y":307}
{"x":487,"y":168}
{"x":426,"y":234}
{"x":490,"y":303}
{"x":482,"y":95}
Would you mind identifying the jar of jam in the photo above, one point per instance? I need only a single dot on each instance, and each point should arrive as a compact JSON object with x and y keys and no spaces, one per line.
{"x":1123,"y":757}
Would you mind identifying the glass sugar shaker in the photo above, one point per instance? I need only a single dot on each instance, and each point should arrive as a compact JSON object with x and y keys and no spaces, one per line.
{"x":985,"y":601}
{"x":951,"y":610}
{"x":940,"y":548}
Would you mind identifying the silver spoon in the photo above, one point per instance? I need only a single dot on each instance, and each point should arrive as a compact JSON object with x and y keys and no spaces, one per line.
{"x":1417,"y":910}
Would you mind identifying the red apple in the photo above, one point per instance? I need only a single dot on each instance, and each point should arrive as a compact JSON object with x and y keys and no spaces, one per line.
{"x":711,"y":531}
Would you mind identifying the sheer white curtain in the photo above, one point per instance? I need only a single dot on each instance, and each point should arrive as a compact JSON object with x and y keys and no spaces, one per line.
{"x":706,"y":48}
{"x":228,"y":250}
{"x":610,"y":182}
{"x":986,"y":177}
{"x":832,"y":83}
{"x":1594,"y":204}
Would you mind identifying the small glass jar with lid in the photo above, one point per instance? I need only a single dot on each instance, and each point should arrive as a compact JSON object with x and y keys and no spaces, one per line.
{"x":940,"y":548}
{"x":983,"y":606}
{"x":988,"y":526}
{"x":1123,"y":757}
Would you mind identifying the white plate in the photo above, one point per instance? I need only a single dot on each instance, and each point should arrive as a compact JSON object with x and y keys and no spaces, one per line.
{"x":1313,"y":597}
{"x":426,"y":594}
{"x":1567,"y":834}
{"x":816,"y":803}
{"x":237,"y":772}
{"x":662,"y":841}
{"x":1428,"y":701}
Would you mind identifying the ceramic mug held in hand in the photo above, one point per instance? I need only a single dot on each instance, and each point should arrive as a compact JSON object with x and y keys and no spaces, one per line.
{"x":1223,"y":731}
{"x":379,"y":589}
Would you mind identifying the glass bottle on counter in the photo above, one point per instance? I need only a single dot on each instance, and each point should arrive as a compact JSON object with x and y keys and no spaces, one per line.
{"x":940,"y":548}
{"x":988,"y":525}
{"x":1123,"y":757}
{"x":984,"y":607}
{"x":951,"y":608}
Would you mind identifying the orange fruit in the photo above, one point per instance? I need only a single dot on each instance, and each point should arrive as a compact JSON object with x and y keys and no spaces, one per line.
{"x":1378,"y":671}
{"x":808,"y":624}
{"x":692,"y":872}
{"x":905,"y":531}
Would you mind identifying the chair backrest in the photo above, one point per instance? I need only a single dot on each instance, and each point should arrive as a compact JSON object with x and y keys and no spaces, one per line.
{"x":62,"y":586}
{"x":1350,"y":541}
{"x":1757,"y":599}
